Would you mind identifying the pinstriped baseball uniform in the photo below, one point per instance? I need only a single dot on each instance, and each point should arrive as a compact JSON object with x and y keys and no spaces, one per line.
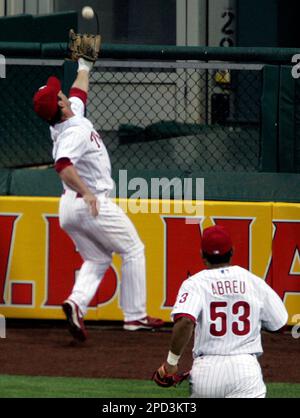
{"x":112,"y":231}
{"x":230,"y":306}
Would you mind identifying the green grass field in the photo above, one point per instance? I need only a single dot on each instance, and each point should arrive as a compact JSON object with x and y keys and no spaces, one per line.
{"x":63,"y":387}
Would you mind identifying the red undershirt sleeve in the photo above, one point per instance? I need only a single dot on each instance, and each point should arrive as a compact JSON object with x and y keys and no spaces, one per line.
{"x":61,"y":164}
{"x":177,"y":316}
{"x":80,"y":94}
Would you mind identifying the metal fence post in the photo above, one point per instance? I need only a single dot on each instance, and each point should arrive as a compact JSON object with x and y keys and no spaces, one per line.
{"x":269,"y":119}
{"x":286,"y":134}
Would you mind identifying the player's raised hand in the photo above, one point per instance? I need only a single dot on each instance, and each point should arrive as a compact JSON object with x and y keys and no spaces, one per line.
{"x":92,"y":202}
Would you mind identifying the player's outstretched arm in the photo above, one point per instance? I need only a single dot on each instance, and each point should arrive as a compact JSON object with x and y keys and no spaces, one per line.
{"x":82,"y":81}
{"x":85,"y":50}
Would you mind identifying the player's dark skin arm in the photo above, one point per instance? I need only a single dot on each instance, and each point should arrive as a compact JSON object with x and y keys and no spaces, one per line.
{"x":181,"y":335}
{"x":70,"y":177}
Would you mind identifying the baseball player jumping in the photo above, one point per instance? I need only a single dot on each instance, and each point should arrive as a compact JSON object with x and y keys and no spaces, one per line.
{"x":228,"y":306}
{"x":97,"y":226}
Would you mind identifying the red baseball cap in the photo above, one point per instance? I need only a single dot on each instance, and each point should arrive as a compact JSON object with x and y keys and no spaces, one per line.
{"x":216,"y":241}
{"x":45,"y":100}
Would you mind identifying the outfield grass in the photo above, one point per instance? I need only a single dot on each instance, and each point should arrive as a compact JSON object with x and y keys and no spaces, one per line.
{"x":63,"y":387}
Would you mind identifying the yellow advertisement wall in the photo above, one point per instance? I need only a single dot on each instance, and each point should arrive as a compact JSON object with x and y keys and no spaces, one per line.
{"x":38,"y":264}
{"x":286,"y":259}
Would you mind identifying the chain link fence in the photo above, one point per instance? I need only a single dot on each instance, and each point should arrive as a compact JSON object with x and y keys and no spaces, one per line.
{"x":179,"y":116}
{"x":183,"y":116}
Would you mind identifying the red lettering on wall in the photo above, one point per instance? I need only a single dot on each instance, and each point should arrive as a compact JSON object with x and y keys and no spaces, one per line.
{"x":7,"y":223}
{"x":21,"y":294}
{"x":183,"y":247}
{"x":285,"y":243}
{"x":63,"y":262}
{"x":182,"y":258}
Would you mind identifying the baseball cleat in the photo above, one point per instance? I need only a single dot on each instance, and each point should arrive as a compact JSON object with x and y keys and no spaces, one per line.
{"x":75,"y":321}
{"x":145,"y":323}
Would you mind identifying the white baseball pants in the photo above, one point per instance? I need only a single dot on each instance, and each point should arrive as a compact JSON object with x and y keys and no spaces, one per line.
{"x":236,"y":376}
{"x":96,"y":240}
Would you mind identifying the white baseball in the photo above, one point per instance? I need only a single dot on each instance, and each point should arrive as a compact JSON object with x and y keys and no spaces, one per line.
{"x":88,"y":13}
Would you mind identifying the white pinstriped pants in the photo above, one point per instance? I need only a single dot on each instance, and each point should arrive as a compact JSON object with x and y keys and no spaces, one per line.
{"x":96,"y":240}
{"x":236,"y":376}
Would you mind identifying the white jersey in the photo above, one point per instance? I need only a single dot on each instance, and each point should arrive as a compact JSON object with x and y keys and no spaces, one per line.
{"x":97,"y":238}
{"x":230,"y":306}
{"x":77,"y":140}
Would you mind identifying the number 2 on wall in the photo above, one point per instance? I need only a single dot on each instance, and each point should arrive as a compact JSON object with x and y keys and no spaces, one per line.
{"x":241,"y":308}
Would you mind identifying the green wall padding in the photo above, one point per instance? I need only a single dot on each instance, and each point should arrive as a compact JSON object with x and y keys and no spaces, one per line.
{"x":55,"y":27}
{"x":41,"y":29}
{"x":35,"y":182}
{"x":243,"y":187}
{"x":5,"y":177}
{"x":17,"y":29}
{"x":20,"y":50}
{"x":251,"y":187}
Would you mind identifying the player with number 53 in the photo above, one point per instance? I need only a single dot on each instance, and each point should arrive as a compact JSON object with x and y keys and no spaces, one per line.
{"x":228,"y":306}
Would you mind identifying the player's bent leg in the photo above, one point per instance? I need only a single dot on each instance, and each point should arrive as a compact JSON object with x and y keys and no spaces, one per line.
{"x":251,"y":387}
{"x":133,"y":292}
{"x":75,"y":307}
{"x":133,"y":285}
{"x":208,"y":377}
{"x":75,"y":320}
{"x":236,"y":376}
{"x":87,"y":283}
{"x":124,"y":240}
{"x":246,"y":378}
{"x":112,"y":232}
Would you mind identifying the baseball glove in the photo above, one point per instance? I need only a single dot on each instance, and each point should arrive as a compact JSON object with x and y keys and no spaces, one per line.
{"x":165,"y":380}
{"x":84,"y":46}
